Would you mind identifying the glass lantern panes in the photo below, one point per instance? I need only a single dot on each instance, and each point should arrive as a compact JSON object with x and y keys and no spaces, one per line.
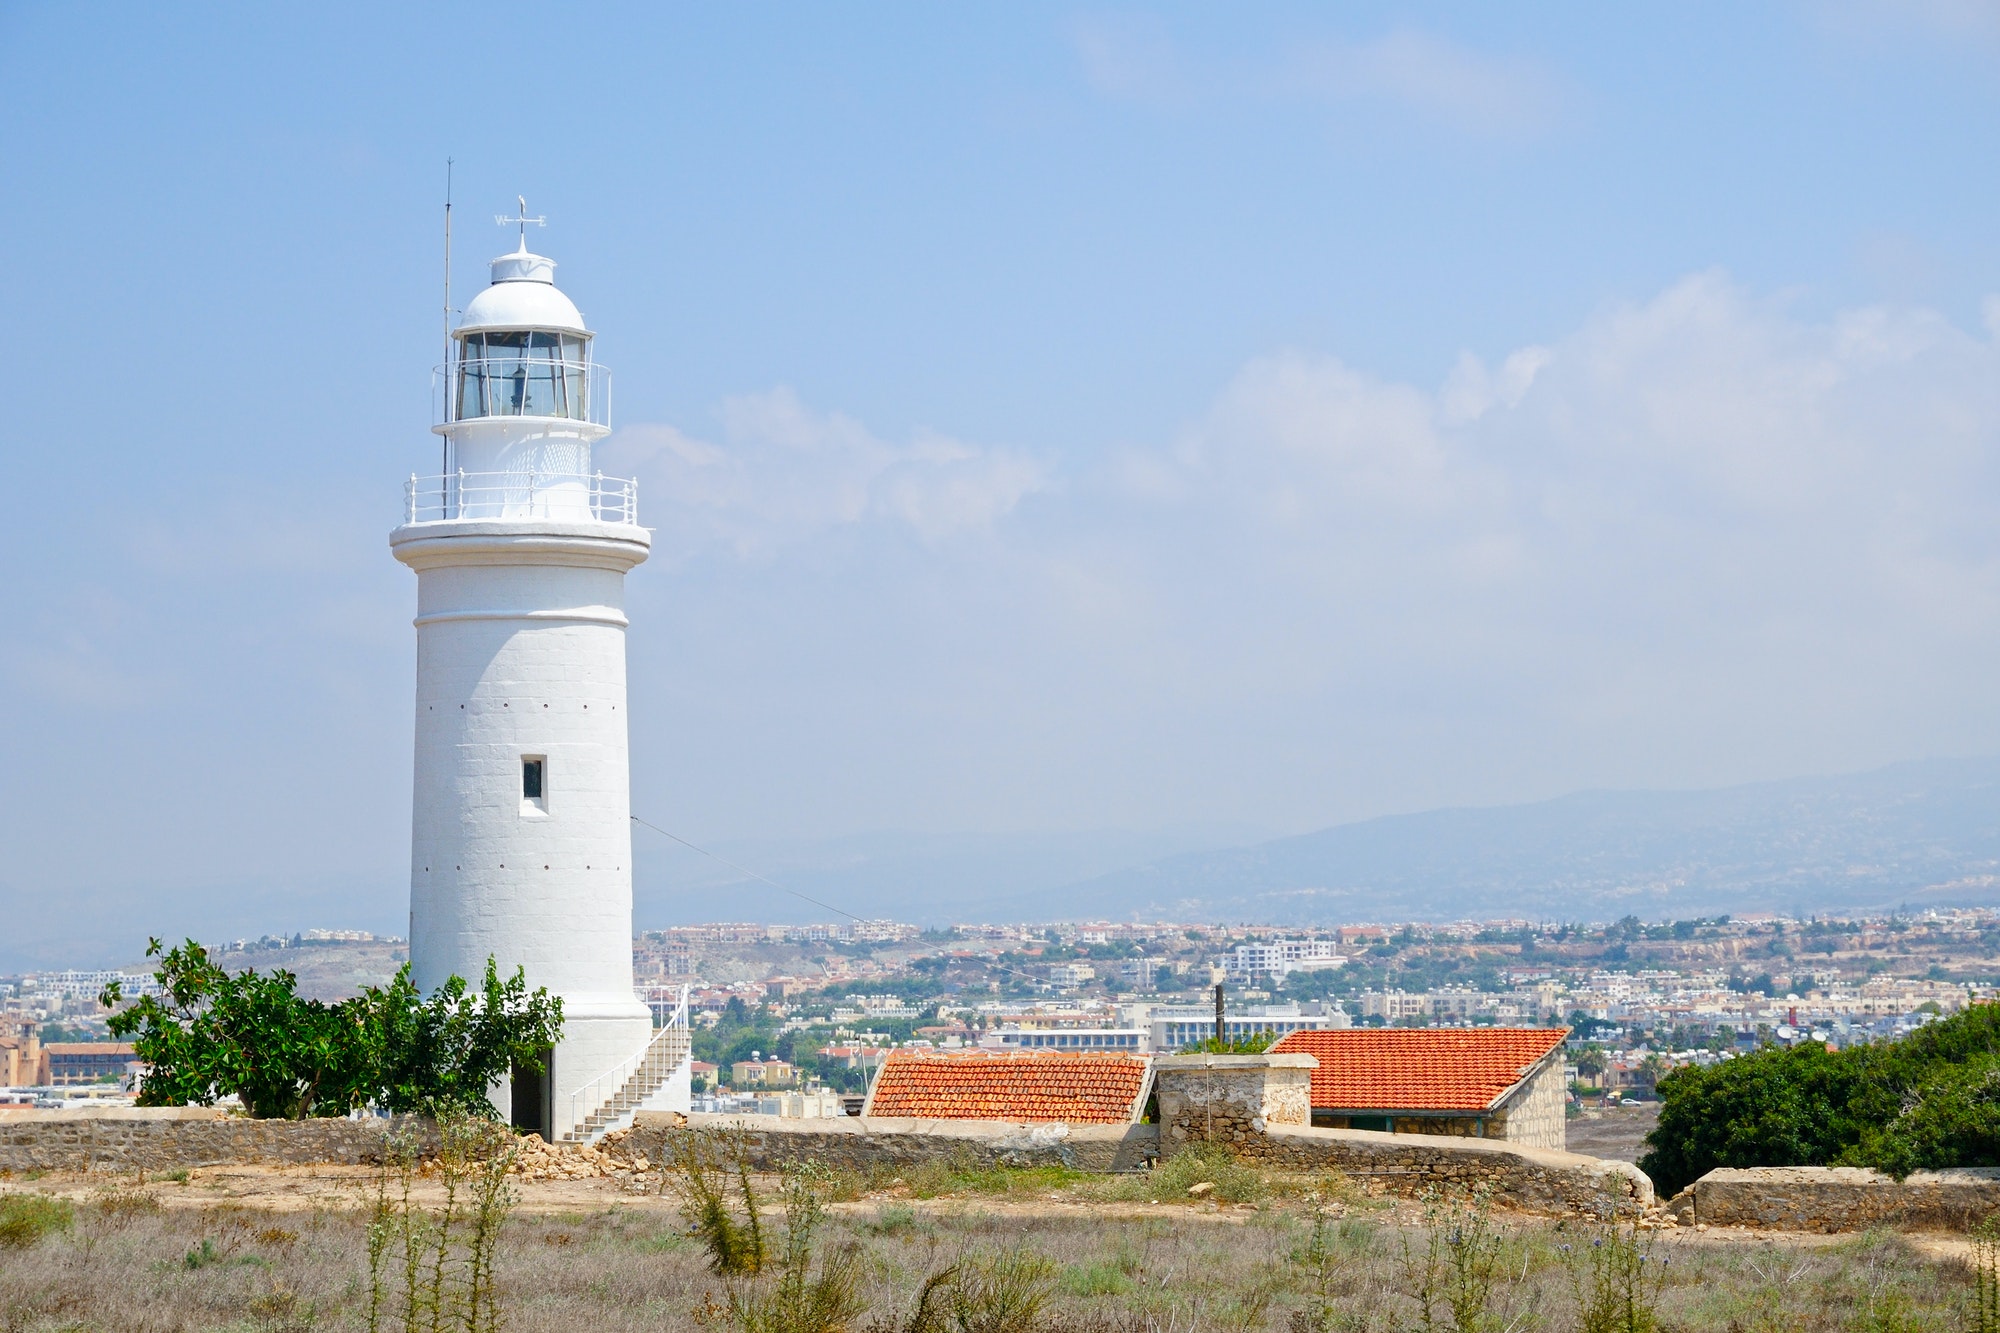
{"x":523,"y":373}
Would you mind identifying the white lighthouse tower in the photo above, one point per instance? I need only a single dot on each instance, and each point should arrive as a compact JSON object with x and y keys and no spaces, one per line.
{"x":521,"y":843}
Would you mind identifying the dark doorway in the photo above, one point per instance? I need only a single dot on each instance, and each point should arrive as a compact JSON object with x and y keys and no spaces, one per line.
{"x":530,"y":1098}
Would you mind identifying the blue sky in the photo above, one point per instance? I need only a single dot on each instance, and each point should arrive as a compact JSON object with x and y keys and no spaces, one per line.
{"x":1247,"y":418}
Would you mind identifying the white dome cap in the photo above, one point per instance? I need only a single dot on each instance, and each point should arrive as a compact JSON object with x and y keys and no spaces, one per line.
{"x":523,"y":296}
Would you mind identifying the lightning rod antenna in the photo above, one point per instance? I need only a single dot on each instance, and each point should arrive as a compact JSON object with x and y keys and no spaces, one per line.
{"x":444,"y":468}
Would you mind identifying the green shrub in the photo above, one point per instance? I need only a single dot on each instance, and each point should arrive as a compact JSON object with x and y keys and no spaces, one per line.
{"x":808,"y":1296}
{"x":1209,"y":1163}
{"x":896,"y":1217}
{"x":1003,"y":1295}
{"x":211,"y":1033}
{"x":1103,"y":1278}
{"x":1930,"y":1100}
{"x":26,"y":1218}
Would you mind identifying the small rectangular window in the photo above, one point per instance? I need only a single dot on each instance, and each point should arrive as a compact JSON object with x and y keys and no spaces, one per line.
{"x":534,"y":784}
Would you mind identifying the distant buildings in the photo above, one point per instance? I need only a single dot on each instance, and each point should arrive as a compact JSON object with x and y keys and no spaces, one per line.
{"x":745,"y":1075}
{"x":1172,"y":1027}
{"x":68,"y":1063}
{"x":1277,"y":959}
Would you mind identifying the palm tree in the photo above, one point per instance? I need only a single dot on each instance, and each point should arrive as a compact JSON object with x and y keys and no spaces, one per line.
{"x":1590,"y":1063}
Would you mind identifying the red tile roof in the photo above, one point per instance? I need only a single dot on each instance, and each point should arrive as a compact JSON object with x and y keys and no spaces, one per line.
{"x":1078,"y":1087}
{"x":1419,"y":1069}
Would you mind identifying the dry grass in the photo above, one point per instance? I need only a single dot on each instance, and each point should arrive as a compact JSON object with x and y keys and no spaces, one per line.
{"x":126,"y":1264}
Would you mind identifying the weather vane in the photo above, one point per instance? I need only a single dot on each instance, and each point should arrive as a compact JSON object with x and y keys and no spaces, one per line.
{"x":523,"y":219}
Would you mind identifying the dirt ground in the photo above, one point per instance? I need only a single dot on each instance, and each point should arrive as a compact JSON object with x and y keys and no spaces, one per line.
{"x":1616,"y":1132}
{"x":307,"y":1189}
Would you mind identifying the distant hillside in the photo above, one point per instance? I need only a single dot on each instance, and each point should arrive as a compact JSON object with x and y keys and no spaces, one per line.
{"x":1925,"y":832}
{"x":1919,"y":832}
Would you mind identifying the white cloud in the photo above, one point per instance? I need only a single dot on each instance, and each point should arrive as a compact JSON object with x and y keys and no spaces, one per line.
{"x":784,"y":473}
{"x":1470,"y":91}
{"x":1700,"y":538}
{"x":1130,"y":58}
{"x":1135,"y":59}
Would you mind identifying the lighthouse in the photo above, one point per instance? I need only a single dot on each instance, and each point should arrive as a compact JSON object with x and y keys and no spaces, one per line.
{"x":521,"y":843}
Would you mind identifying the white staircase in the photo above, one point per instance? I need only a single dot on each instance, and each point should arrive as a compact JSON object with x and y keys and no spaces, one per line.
{"x":646,"y":1082}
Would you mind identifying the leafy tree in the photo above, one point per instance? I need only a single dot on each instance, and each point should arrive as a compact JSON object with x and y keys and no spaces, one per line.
{"x":212,"y":1033}
{"x":1930,"y":1100}
{"x":1775,"y":1108}
{"x":445,"y":1051}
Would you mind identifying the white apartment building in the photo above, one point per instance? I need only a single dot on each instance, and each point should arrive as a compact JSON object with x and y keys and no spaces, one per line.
{"x":1133,"y":1040}
{"x":1279,"y":958}
{"x":1454,"y":1003}
{"x":1171,"y":1027}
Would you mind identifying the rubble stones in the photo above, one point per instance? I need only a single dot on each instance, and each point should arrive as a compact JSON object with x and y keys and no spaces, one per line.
{"x":536,"y":1160}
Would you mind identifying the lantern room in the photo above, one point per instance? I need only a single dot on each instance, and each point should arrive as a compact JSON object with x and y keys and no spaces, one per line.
{"x":522,"y":404}
{"x":522,"y":349}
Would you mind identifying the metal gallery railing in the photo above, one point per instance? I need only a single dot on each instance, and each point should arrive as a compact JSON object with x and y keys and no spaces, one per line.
{"x":583,"y":496}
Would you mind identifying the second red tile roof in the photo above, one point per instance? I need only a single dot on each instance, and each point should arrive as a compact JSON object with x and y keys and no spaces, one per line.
{"x":1419,"y":1069}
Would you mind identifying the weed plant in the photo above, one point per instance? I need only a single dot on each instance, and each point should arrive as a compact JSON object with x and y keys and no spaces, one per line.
{"x":27,"y":1218}
{"x":432,"y":1269}
{"x":1985,"y":1279}
{"x":813,"y":1292}
{"x":1616,"y":1279}
{"x":1318,"y":1264}
{"x":1006,"y":1293}
{"x":701,"y":1165}
{"x":1452,"y":1264}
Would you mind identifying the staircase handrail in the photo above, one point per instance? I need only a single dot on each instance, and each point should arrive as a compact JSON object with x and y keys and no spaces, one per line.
{"x":597,"y":1090}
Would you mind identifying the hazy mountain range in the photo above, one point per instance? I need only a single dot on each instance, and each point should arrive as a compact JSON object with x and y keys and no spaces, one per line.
{"x":1914,"y":833}
{"x":1917,"y":833}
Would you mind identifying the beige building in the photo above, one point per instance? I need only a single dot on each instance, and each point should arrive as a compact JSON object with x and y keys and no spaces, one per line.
{"x":21,"y":1058}
{"x":745,"y":1075}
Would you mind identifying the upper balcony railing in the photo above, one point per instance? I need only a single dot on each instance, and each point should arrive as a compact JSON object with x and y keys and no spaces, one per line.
{"x":589,"y":497}
{"x":478,"y":387}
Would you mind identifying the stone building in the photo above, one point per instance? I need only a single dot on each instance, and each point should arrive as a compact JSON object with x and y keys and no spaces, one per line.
{"x":68,"y":1063}
{"x":21,"y":1058}
{"x":1493,"y":1083}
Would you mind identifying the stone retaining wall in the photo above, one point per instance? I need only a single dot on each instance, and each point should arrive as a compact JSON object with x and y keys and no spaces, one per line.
{"x":1257,"y":1105}
{"x":861,"y":1142}
{"x":1539,"y":1179}
{"x":135,"y":1140}
{"x":1530,"y":1178}
{"x":1838,"y":1198}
